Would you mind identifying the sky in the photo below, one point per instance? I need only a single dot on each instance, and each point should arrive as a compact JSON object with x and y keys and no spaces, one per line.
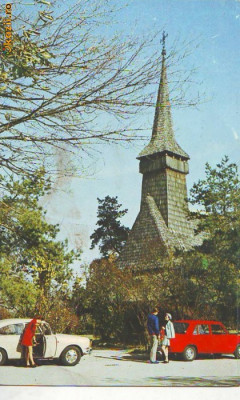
{"x":206,"y":132}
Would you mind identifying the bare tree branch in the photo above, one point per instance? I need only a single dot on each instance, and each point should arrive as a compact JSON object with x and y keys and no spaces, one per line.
{"x":62,"y":79}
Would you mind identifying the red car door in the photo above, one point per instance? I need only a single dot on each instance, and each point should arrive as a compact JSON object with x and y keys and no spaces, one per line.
{"x":220,"y":339}
{"x":201,"y":338}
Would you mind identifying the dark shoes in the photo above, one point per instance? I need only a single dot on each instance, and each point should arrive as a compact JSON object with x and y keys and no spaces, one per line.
{"x":31,"y":366}
{"x":165,"y":362}
{"x":154,"y":362}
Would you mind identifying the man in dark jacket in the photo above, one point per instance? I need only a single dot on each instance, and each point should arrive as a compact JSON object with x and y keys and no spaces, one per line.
{"x":153,"y":330}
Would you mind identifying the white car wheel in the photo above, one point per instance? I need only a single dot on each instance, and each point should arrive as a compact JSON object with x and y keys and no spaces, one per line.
{"x":70,"y":356}
{"x":3,"y":357}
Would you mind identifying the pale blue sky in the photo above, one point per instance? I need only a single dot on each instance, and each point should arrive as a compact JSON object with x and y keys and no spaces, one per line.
{"x":206,"y":133}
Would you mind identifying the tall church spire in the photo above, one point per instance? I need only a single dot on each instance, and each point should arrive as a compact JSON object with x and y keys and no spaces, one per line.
{"x":162,"y":224}
{"x":163,"y":139}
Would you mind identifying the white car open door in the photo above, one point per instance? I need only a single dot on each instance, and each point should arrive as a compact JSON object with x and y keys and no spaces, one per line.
{"x":49,"y":340}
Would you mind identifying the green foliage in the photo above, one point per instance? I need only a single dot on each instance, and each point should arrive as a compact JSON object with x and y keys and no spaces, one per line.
{"x":17,"y":294}
{"x":61,"y":315}
{"x":212,"y":270}
{"x":29,"y":251}
{"x":110,"y":235}
{"x":114,"y":303}
{"x":218,"y":193}
{"x":103,"y":297}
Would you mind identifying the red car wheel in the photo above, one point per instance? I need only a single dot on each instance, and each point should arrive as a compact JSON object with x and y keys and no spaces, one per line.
{"x":190,"y":353}
{"x":237,"y":351}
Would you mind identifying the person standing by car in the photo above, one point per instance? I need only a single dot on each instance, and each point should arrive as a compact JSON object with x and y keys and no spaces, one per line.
{"x":27,"y":340}
{"x":153,"y":330}
{"x":169,"y":333}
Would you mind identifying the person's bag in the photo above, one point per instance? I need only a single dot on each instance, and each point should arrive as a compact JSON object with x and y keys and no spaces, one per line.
{"x":19,"y":345}
{"x":162,"y":333}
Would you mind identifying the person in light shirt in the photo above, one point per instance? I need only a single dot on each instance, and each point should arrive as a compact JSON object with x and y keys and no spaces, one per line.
{"x":169,"y":333}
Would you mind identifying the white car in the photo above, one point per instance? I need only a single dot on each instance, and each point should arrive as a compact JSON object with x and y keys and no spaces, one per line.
{"x":68,"y":349}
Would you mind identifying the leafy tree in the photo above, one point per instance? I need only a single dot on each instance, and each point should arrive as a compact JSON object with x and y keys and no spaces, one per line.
{"x":4,"y":313}
{"x":218,"y":193}
{"x":219,"y":196}
{"x":62,"y":315}
{"x":212,"y":270}
{"x":120,"y":312}
{"x":110,"y":235}
{"x":106,"y":307}
{"x":18,"y":295}
{"x":28,"y":244}
{"x":61,"y":77}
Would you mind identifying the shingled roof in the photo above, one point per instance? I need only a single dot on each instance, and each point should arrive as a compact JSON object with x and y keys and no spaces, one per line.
{"x":150,"y":239}
{"x":170,"y":239}
{"x":163,"y":139}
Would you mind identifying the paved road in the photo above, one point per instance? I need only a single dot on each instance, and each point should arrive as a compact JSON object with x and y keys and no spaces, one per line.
{"x":119,"y":368}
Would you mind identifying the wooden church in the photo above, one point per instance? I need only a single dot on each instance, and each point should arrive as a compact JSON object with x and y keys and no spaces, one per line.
{"x":162,"y":224}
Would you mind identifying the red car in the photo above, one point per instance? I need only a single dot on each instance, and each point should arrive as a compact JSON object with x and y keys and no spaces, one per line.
{"x":207,"y":337}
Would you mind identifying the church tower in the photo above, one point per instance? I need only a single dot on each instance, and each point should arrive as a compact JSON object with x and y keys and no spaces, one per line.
{"x":162,"y":224}
{"x":164,"y":164}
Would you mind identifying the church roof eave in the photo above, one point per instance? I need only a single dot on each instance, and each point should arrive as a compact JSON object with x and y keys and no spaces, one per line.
{"x":151,"y":150}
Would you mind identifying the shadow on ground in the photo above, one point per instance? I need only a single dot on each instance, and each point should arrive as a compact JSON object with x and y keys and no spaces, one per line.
{"x":39,"y":363}
{"x":196,"y":382}
{"x":144,"y":357}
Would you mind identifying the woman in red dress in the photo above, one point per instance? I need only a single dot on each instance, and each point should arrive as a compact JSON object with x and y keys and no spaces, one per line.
{"x":27,"y":340}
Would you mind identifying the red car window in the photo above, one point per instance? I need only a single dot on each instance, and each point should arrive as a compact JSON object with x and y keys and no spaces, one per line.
{"x":180,"y":327}
{"x":201,"y":329}
{"x":217,"y":330}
